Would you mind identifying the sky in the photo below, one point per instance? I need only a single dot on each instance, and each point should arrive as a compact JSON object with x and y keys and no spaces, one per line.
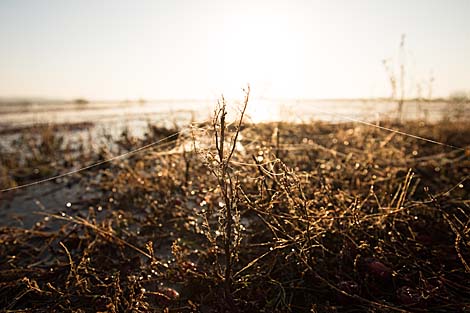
{"x":197,"y":49}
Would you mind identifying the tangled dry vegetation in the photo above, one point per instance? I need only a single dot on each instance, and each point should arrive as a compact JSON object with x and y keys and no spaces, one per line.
{"x":316,"y":217}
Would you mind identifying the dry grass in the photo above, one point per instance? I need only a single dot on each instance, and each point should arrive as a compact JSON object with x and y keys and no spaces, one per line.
{"x":327,"y":218}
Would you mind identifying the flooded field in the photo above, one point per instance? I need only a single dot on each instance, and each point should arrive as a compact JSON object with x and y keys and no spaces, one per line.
{"x":109,"y":115}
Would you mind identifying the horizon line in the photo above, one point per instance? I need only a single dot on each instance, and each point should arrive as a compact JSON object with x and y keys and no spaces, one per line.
{"x":85,"y":100}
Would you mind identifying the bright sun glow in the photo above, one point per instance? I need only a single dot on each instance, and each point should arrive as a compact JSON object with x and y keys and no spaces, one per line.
{"x":259,"y":51}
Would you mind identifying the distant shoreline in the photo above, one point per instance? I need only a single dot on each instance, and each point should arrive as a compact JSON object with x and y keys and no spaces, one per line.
{"x":33,"y":100}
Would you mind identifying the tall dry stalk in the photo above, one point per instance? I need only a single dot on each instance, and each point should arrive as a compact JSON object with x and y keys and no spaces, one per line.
{"x":225,"y":148}
{"x":402,"y":77}
{"x":397,"y":84}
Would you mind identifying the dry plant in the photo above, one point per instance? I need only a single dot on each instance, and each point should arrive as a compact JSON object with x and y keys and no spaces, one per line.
{"x":397,"y":85}
{"x":218,"y":160}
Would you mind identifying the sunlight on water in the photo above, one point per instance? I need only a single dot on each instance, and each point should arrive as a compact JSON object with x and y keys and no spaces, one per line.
{"x":263,"y":111}
{"x":116,"y":116}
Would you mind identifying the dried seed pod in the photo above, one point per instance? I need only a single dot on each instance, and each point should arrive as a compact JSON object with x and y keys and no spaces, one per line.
{"x":171,"y":293}
{"x":379,"y":270}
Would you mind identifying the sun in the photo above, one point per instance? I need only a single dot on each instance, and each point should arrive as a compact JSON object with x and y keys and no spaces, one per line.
{"x":259,"y":50}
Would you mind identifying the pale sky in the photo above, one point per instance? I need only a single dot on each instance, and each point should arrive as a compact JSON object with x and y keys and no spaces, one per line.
{"x":181,"y":49}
